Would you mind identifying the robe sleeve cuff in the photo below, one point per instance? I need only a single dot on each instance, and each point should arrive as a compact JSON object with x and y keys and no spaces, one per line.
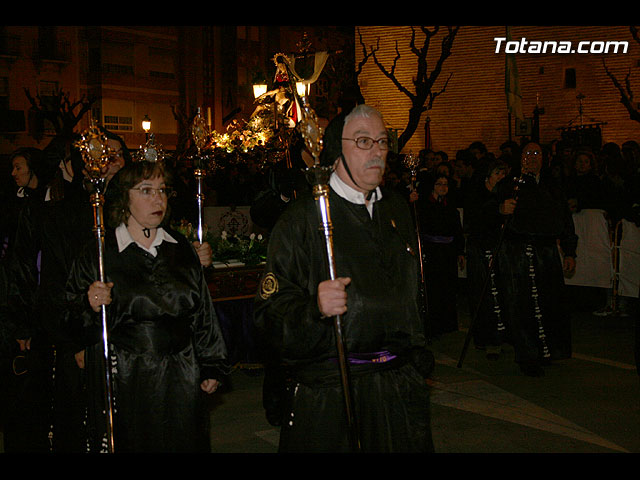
{"x":217,"y":372}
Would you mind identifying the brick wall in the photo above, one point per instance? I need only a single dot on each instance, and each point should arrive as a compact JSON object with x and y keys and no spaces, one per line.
{"x":473,"y":107}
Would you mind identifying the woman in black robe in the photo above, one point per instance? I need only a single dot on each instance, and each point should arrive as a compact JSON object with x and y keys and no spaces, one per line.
{"x":443,"y":252}
{"x":165,"y":341}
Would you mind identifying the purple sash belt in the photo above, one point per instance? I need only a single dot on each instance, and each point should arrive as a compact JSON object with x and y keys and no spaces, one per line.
{"x":438,"y":238}
{"x":364,"y":358}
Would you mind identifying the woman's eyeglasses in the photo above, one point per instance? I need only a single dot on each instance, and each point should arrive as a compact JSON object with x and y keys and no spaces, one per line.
{"x":149,"y":191}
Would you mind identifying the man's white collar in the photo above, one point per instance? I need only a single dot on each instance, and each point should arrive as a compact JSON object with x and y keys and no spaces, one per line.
{"x":351,"y":194}
{"x":125,"y":239}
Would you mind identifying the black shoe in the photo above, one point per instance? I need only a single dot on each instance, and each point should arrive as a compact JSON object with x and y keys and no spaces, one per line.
{"x":274,"y":417}
{"x":532,"y":369}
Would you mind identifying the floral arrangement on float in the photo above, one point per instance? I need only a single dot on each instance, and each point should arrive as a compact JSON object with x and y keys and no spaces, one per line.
{"x":241,"y":137}
{"x":228,"y":249}
{"x":254,"y":141}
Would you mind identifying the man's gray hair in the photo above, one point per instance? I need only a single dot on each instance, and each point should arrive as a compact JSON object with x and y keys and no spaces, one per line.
{"x":362,"y":110}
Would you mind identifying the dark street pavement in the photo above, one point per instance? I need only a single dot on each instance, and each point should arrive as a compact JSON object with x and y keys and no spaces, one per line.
{"x":587,"y":404}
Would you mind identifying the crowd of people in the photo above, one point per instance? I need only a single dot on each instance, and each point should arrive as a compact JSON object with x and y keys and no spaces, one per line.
{"x":466,"y":211}
{"x":395,"y":290}
{"x":604,"y":177}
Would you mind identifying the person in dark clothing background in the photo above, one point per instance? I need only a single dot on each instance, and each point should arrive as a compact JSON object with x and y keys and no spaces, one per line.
{"x":443,"y":252}
{"x":583,"y":187}
{"x":531,"y":268}
{"x":24,"y":409}
{"x":482,"y":224}
{"x":285,"y":183}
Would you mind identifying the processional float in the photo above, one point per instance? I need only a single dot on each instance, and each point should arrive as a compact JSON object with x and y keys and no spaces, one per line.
{"x":96,"y":155}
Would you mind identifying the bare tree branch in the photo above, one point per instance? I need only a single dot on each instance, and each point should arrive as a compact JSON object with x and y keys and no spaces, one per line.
{"x":626,"y":94}
{"x":365,"y":55}
{"x":635,"y":33}
{"x":59,"y":110}
{"x":391,"y":74}
{"x":423,"y":96}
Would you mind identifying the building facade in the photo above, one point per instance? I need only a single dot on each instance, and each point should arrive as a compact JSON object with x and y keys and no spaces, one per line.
{"x":568,"y":89}
{"x":163,"y":73}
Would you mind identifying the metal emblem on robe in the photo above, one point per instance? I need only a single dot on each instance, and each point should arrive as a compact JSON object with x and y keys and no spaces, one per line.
{"x":268,"y":286}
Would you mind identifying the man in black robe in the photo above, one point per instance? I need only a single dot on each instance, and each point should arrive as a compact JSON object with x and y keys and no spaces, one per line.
{"x":532,"y":267}
{"x":375,"y":291}
{"x":482,"y":223}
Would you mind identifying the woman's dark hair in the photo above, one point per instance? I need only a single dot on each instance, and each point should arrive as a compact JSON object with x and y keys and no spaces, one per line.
{"x":126,"y":154}
{"x":494,"y":165}
{"x":35,"y":162}
{"x":438,"y":176}
{"x":583,"y":152}
{"x":446,"y":165}
{"x":129,"y":176}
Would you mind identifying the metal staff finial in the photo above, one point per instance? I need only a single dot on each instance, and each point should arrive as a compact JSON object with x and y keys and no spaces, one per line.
{"x":150,"y":151}
{"x":200,"y":135}
{"x":311,"y":130}
{"x":96,"y":155}
{"x":412,"y":162}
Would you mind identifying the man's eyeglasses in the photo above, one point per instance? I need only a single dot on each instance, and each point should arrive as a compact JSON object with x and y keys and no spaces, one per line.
{"x":149,"y":191}
{"x":366,"y":143}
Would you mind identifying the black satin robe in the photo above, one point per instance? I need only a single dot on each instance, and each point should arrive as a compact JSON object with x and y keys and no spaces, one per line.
{"x":391,"y":400}
{"x":49,"y":236}
{"x":442,"y":243}
{"x":165,"y":341}
{"x":531,"y":277}
{"x":483,"y":224}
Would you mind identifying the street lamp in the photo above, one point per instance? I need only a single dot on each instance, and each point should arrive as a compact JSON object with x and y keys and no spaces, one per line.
{"x":146,"y":126}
